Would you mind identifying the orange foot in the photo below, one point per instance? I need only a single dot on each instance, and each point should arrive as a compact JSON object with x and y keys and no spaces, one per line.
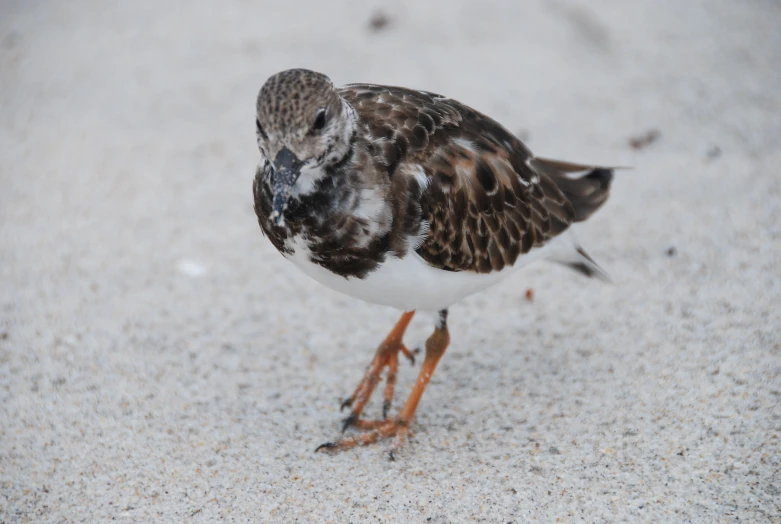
{"x":372,"y":431}
{"x":387,"y":355}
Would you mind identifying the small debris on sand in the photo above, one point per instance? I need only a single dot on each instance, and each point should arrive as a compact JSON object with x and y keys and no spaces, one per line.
{"x":645,"y":140}
{"x":379,"y":21}
{"x":713,"y":153}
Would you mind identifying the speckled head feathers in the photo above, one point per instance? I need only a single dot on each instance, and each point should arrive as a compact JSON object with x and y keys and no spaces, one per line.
{"x":290,"y":102}
{"x":303,"y":128}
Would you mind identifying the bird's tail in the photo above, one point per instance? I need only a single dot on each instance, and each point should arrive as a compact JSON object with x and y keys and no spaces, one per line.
{"x":587,"y":193}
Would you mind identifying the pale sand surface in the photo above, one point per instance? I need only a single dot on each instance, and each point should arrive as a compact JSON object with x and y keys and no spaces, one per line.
{"x":160,"y":362}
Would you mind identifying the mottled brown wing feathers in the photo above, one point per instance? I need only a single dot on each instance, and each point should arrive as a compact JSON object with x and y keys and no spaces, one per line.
{"x":484,"y":204}
{"x":399,"y":122}
{"x":486,"y":199}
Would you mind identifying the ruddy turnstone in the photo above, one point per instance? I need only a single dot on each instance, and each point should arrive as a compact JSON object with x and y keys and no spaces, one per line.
{"x":408,"y":199}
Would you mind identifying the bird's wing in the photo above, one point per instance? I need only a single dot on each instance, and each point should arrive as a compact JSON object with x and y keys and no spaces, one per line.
{"x":485,"y":197}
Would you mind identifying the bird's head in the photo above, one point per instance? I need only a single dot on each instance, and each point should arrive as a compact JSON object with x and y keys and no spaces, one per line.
{"x":303,"y":126}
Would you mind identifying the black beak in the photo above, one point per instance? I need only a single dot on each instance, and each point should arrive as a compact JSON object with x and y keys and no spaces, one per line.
{"x":286,"y":170}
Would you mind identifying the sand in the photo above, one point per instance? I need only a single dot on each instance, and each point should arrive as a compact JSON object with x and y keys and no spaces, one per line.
{"x":160,"y":362}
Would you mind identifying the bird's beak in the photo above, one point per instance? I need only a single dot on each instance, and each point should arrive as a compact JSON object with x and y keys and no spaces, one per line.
{"x":286,"y":170}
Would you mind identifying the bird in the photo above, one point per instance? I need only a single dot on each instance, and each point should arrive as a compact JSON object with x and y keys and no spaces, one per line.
{"x":408,"y":199}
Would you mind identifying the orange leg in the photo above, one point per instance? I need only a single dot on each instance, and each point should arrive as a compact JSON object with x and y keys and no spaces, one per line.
{"x":387,"y":355}
{"x":398,"y":427}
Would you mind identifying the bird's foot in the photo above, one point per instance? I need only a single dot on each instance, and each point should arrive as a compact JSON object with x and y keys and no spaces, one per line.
{"x":387,"y":356}
{"x":372,"y":431}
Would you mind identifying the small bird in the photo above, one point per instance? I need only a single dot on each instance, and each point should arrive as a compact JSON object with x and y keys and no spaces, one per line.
{"x":407,"y":199}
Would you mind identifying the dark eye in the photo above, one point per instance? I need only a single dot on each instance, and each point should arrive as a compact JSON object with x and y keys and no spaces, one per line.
{"x":319,"y":120}
{"x":260,"y":128}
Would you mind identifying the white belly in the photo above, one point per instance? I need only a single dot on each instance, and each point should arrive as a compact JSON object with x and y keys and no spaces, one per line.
{"x":408,"y":283}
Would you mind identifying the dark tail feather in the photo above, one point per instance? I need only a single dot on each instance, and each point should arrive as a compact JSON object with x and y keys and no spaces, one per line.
{"x":576,"y":258}
{"x":586,"y":193}
{"x":587,"y":266}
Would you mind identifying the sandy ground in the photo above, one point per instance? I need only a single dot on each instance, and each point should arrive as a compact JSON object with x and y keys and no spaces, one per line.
{"x":160,"y":362}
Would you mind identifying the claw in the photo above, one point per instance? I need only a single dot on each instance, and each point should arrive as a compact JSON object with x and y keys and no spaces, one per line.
{"x":371,"y":431}
{"x":349,"y":421}
{"x":346,"y":404}
{"x":414,"y":352}
{"x":386,"y":408}
{"x":410,"y":354}
{"x":326,"y":446}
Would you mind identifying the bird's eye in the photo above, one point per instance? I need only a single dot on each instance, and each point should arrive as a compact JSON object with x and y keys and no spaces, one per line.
{"x":319,"y":120}
{"x":260,"y":128}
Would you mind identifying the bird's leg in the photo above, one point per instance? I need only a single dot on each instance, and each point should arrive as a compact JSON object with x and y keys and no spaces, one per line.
{"x":398,"y":427}
{"x":387,"y":355}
